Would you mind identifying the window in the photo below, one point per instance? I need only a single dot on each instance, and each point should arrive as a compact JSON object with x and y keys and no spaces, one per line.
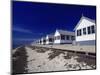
{"x":79,"y":32}
{"x":92,"y":29}
{"x":50,"y":39}
{"x":62,"y":37}
{"x":72,"y":38}
{"x":57,"y":37}
{"x":44,"y":40}
{"x":84,"y":31}
{"x":89,"y":30}
{"x":67,"y":37}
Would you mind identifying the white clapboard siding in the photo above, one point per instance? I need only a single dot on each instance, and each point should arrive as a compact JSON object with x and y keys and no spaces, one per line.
{"x":64,"y":32}
{"x":49,"y":36}
{"x":84,"y":23}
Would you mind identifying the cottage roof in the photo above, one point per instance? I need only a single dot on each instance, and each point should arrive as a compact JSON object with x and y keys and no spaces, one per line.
{"x":65,"y":32}
{"x":51,"y":35}
{"x":83,"y":17}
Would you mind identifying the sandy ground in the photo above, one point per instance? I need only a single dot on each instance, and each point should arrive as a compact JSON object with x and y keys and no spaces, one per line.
{"x":39,"y":59}
{"x":84,"y":48}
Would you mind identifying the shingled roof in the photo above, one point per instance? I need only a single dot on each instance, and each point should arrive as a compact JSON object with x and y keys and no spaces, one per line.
{"x":65,"y":32}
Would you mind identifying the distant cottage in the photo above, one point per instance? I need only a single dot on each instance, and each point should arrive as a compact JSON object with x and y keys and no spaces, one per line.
{"x":85,"y":31}
{"x":50,"y":39}
{"x":39,"y":41}
{"x":43,"y":40}
{"x":63,"y":37}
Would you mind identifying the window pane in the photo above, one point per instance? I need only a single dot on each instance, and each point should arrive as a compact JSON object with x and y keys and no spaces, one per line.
{"x":67,"y":37}
{"x":44,"y":40}
{"x":92,"y":29}
{"x":77,"y":32}
{"x":62,"y":37}
{"x":89,"y":30}
{"x":84,"y":30}
{"x":80,"y":33}
{"x":58,"y":37}
{"x":72,"y":38}
{"x":50,"y":39}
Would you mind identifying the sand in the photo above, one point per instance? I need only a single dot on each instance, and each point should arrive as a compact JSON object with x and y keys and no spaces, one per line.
{"x":40,"y":59}
{"x":84,"y":48}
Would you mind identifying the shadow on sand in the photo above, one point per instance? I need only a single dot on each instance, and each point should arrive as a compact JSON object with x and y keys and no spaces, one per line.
{"x":19,"y":61}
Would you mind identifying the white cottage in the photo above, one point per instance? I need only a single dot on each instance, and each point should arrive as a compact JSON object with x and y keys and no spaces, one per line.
{"x":85,"y":31}
{"x":39,"y":41}
{"x":50,"y":39}
{"x":63,"y":37}
{"x":43,"y":40}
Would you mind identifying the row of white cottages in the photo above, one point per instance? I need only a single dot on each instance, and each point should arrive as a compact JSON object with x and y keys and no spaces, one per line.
{"x":59,"y":37}
{"x":84,"y":34}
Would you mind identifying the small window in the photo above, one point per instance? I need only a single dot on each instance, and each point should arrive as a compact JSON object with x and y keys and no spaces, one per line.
{"x":84,"y":31}
{"x":50,"y":39}
{"x":92,"y":29}
{"x":58,"y":37}
{"x":44,"y":40}
{"x":72,"y":38}
{"x":79,"y":32}
{"x":62,"y":37}
{"x":67,"y":37}
{"x":89,"y":30}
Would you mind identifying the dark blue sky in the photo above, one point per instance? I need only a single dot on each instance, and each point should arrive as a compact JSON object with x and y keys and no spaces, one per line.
{"x":32,"y":20}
